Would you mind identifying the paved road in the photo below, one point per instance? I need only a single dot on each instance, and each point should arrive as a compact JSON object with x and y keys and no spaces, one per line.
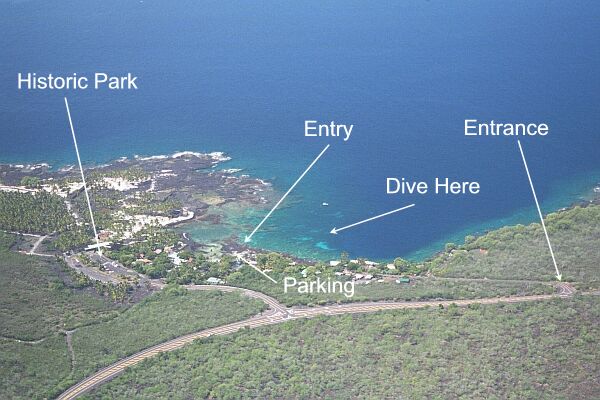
{"x":270,"y":301}
{"x":564,"y":289}
{"x":278,"y":314}
{"x":92,"y":273}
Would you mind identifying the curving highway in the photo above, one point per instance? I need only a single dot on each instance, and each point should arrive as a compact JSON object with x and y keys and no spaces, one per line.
{"x":278,"y":313}
{"x":270,"y":301}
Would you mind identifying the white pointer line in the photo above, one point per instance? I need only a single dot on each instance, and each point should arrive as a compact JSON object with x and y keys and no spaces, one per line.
{"x":334,"y":231}
{"x":249,"y":237}
{"x":85,"y":189}
{"x":255,"y":267}
{"x":537,"y":204}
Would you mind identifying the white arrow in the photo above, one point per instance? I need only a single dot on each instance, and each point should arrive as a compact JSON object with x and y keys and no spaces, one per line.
{"x":85,"y":188}
{"x":335,"y":231}
{"x":537,"y":204}
{"x":249,"y":237}
{"x":255,"y":267}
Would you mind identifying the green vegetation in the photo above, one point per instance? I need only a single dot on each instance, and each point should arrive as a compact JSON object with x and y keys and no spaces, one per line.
{"x":107,"y":201}
{"x":165,"y":315}
{"x":36,"y":306}
{"x":75,"y":238}
{"x":197,"y":269}
{"x":418,"y":289}
{"x":132,"y":174}
{"x":39,"y":301}
{"x":147,"y":203}
{"x":521,"y":252}
{"x":533,"y":350}
{"x":44,"y":213}
{"x":406,"y":267}
{"x":116,"y":292}
{"x":30,"y":370}
{"x":148,"y":252}
{"x":31,"y":181}
{"x":35,"y":302}
{"x":511,"y":253}
{"x":540,"y":350}
{"x":39,"y":212}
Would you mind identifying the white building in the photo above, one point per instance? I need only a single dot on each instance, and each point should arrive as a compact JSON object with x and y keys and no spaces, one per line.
{"x":175,"y":259}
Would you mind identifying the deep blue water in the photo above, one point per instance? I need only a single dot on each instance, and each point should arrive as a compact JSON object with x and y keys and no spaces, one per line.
{"x":242,"y":77}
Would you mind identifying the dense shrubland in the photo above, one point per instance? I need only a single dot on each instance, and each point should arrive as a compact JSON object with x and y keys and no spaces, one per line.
{"x":40,"y":301}
{"x":36,"y":301}
{"x":418,"y":289}
{"x":540,"y":350}
{"x":521,"y":252}
{"x":170,"y":313}
{"x":40,"y":213}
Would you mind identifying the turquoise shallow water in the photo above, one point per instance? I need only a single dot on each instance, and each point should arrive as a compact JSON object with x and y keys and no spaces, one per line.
{"x":563,"y":194}
{"x":238,"y":221}
{"x":242,"y":77}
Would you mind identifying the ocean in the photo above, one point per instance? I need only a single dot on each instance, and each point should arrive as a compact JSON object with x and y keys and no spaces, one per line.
{"x":242,"y":77}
